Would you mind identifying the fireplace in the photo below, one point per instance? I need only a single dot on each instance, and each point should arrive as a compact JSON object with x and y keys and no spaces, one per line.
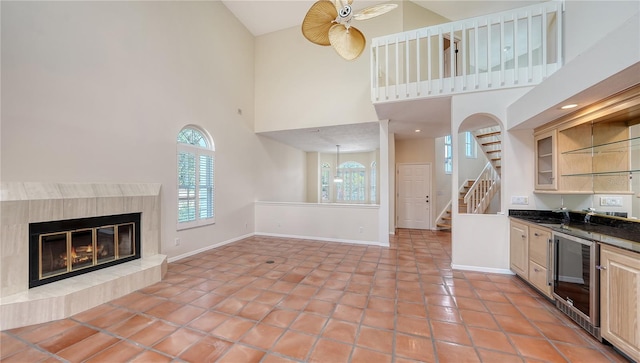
{"x":66,"y":248}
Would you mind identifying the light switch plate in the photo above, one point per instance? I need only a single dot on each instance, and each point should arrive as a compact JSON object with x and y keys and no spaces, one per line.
{"x":611,"y":201}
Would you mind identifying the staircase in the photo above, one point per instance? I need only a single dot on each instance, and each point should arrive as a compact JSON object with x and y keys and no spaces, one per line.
{"x":474,"y":196}
{"x":443,"y":222}
{"x":490,"y":141}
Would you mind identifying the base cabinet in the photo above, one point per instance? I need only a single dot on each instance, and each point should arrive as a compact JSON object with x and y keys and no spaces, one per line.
{"x":540,"y":259}
{"x":620,"y":299}
{"x":530,"y":252}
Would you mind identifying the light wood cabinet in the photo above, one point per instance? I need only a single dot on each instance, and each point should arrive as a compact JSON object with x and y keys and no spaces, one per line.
{"x":545,"y":152}
{"x":540,"y":259}
{"x":530,"y":252}
{"x":519,"y":249}
{"x":590,"y":150}
{"x":620,"y":299}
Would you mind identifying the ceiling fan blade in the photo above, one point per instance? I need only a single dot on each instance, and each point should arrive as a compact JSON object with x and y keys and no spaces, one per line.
{"x":349,"y":43}
{"x":373,"y":11}
{"x":318,"y":21}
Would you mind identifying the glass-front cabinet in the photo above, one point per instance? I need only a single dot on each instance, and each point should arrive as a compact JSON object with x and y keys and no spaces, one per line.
{"x":546,"y":170}
{"x":595,"y":150}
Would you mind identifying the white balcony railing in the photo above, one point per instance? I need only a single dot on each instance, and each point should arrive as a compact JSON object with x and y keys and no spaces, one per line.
{"x":508,"y":49}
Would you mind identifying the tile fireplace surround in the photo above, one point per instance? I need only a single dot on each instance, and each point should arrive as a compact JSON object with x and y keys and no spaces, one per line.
{"x":24,"y":203}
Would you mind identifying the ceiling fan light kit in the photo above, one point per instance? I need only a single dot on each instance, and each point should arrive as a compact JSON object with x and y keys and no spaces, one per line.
{"x":328,"y":23}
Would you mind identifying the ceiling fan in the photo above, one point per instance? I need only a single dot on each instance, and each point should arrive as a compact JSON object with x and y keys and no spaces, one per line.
{"x":329,"y":23}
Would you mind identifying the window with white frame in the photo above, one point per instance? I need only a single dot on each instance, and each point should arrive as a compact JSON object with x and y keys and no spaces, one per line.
{"x":195,"y":178}
{"x":448,"y":155}
{"x":353,"y":186}
{"x":470,"y":146}
{"x":373,"y":196}
{"x":325,"y":179}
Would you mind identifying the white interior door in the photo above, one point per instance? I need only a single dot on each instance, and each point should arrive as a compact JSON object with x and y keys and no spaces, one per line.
{"x":414,"y":189}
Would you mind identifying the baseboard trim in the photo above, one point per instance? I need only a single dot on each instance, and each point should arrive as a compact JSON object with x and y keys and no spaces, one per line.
{"x":482,"y":269}
{"x":219,"y":244}
{"x":323,"y":239}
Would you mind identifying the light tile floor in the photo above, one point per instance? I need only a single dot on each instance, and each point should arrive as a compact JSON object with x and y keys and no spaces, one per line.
{"x":267,"y":299}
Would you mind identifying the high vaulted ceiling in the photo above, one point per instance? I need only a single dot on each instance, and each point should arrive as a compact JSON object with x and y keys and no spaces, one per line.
{"x":265,"y":16}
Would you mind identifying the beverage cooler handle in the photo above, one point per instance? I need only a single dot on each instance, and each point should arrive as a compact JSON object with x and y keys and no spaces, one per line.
{"x":550,"y":268}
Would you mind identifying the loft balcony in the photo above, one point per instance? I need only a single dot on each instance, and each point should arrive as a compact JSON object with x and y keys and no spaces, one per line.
{"x":509,"y":49}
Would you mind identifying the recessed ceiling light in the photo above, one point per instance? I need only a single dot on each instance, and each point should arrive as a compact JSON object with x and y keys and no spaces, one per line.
{"x":566,"y":107}
{"x":417,"y":130}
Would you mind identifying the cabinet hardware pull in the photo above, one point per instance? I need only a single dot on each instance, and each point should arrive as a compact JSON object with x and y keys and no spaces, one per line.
{"x":600,"y":267}
{"x":536,"y":269}
{"x":523,"y":236}
{"x":549,"y":262}
{"x":536,"y":234}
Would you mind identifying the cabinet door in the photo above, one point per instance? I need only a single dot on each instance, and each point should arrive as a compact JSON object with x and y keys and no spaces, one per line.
{"x":620,"y":301}
{"x":539,"y":246}
{"x":519,"y":249}
{"x":545,"y":163}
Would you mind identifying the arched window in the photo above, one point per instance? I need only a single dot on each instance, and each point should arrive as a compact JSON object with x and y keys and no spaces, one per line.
{"x":352,"y":189}
{"x":373,"y":196}
{"x":325,"y":178}
{"x":195,"y":178}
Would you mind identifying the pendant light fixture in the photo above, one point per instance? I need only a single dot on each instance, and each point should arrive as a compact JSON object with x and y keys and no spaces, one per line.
{"x":337,"y":178}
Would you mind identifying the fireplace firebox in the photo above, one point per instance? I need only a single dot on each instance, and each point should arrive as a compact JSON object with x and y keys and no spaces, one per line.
{"x":66,"y":248}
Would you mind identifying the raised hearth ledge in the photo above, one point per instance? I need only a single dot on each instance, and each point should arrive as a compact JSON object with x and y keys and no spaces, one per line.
{"x":68,"y":297}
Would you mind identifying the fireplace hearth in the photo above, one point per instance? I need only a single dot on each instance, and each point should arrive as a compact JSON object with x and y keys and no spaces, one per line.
{"x":66,"y":248}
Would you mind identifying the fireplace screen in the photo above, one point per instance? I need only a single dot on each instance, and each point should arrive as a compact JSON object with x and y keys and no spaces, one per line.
{"x":67,"y":248}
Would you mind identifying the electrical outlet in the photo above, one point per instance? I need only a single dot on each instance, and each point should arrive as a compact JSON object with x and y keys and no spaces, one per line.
{"x":519,"y":200}
{"x":177,"y":241}
{"x":611,"y":201}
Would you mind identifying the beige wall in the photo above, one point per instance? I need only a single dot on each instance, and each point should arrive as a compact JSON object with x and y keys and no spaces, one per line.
{"x":313,"y":177}
{"x":97,"y":92}
{"x":415,"y":17}
{"x":415,"y":150}
{"x":299,"y":84}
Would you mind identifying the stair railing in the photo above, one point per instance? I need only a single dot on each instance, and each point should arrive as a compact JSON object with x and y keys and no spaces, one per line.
{"x":483,"y":189}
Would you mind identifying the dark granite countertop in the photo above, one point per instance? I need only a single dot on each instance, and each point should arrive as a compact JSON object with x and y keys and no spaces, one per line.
{"x":619,"y":232}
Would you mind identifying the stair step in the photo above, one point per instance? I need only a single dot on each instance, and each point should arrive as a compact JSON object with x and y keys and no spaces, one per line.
{"x":446,"y":218}
{"x":445,"y":226}
{"x":496,"y":159}
{"x":489,"y":134}
{"x":493,"y":151}
{"x":491,"y":143}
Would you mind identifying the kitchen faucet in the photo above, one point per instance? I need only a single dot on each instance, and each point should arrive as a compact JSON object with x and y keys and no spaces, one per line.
{"x":565,"y":212}
{"x":587,"y":216}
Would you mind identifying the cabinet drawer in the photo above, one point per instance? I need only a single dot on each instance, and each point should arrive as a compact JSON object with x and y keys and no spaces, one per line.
{"x":539,"y":245}
{"x":538,"y":277}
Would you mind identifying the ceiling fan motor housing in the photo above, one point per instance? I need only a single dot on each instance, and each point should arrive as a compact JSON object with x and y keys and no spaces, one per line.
{"x":345,"y":12}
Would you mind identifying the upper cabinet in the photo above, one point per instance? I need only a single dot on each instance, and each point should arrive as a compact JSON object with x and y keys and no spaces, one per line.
{"x":593,"y":150}
{"x":546,"y":161}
